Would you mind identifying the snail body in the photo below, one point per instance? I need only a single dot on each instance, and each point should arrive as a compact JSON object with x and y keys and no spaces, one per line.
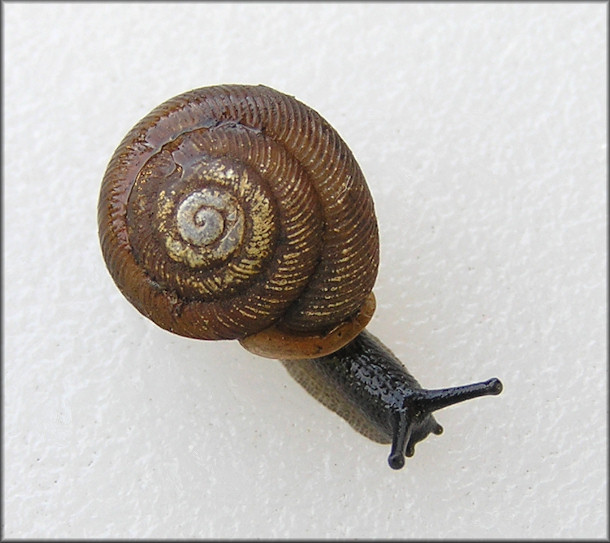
{"x":368,"y":386}
{"x":237,"y":212}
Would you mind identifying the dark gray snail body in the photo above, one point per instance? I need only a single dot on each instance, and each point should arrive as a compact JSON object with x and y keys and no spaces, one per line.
{"x":369,"y":387}
{"x":237,"y":212}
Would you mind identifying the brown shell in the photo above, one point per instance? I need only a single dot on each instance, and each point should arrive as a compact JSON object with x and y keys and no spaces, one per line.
{"x":233,"y":208}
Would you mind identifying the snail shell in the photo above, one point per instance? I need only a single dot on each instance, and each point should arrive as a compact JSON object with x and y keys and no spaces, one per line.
{"x":234,"y":209}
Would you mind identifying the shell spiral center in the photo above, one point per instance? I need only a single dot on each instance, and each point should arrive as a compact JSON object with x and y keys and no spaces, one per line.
{"x":208,"y":219}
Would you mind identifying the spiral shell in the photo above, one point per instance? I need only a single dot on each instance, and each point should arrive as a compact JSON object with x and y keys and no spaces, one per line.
{"x":233,"y":208}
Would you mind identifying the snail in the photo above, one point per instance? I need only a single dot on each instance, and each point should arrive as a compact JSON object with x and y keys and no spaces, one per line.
{"x":238,"y":212}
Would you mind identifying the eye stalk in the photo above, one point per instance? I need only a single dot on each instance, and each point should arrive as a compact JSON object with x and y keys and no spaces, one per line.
{"x":414,"y":422}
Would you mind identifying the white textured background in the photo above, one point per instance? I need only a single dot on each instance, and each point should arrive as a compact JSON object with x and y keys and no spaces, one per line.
{"x":481,"y":130}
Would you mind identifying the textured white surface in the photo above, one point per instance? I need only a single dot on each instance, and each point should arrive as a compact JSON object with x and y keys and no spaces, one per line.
{"x":481,"y":130}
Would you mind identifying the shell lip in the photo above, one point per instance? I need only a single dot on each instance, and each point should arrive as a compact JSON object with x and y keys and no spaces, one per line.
{"x":275,"y":342}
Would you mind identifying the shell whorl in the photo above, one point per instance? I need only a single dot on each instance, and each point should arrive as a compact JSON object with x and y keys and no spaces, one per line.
{"x":229,"y":209}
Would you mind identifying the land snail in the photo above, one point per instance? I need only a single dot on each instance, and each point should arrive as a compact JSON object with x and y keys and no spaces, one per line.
{"x":237,"y":212}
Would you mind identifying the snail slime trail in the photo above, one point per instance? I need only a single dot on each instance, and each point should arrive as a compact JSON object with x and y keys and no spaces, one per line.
{"x":237,"y":212}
